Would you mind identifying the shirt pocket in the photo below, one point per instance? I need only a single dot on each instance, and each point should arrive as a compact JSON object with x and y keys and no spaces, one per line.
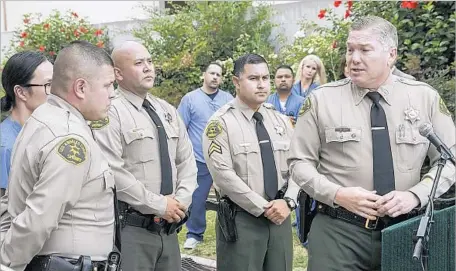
{"x":243,"y":155}
{"x":105,"y":202}
{"x":140,"y":145}
{"x":344,"y":143}
{"x":108,"y":177}
{"x":281,"y":149}
{"x":411,"y":148}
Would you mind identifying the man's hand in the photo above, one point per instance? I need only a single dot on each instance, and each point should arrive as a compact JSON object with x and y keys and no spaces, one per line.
{"x":175,"y":211}
{"x":396,"y":203}
{"x":358,"y":200}
{"x":277,"y":211}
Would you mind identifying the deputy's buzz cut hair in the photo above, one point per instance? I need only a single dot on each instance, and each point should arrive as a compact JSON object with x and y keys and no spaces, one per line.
{"x":79,"y":59}
{"x":385,"y":30}
{"x":240,"y":63}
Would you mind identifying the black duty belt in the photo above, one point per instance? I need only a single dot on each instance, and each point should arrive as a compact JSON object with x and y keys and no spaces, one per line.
{"x":375,"y":225}
{"x":53,"y":262}
{"x":149,"y":222}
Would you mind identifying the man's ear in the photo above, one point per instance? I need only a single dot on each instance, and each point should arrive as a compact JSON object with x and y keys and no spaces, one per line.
{"x":118,"y":74}
{"x":20,"y":93}
{"x":236,"y":82}
{"x":392,"y":56}
{"x":80,"y":87}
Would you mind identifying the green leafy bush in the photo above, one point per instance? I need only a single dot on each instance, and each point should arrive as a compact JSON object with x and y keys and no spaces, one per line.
{"x":183,"y":41}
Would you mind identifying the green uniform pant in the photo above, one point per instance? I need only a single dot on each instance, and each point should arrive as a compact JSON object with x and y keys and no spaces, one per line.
{"x":261,"y":245}
{"x":143,"y":250}
{"x":337,"y":245}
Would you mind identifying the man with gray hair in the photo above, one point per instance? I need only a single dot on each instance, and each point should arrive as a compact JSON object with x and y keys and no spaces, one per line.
{"x":61,"y":187}
{"x":361,"y":154}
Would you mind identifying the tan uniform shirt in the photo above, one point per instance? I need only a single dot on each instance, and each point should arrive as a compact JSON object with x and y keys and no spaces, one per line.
{"x":130,"y":141}
{"x":60,"y":189}
{"x":232,"y":153}
{"x":332,"y":145}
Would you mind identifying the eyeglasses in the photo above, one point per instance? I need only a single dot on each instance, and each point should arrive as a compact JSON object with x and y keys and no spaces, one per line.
{"x":47,"y":87}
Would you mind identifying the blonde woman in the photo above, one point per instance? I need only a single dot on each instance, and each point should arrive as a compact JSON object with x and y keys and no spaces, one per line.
{"x":311,"y":74}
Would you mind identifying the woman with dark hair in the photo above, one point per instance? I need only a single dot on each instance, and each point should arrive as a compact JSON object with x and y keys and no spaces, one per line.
{"x":26,"y":79}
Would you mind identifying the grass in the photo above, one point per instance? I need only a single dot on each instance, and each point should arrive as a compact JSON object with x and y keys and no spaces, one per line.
{"x":207,"y":248}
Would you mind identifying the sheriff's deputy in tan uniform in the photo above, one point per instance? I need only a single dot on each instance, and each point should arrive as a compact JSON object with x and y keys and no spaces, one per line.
{"x":60,"y":190}
{"x":357,"y":150}
{"x":246,"y":145}
{"x":150,"y":153}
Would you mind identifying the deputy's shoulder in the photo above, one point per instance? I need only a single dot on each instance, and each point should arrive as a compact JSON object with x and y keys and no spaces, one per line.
{"x":222,"y":110}
{"x":414,"y":83}
{"x":164,"y":104}
{"x":336,"y":84}
{"x":269,"y":106}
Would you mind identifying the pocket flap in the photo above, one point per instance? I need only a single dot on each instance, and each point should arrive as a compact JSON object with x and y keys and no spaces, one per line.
{"x":137,"y":133}
{"x":108,"y":177}
{"x":281,"y":145}
{"x":343,"y":134}
{"x":409,"y":136}
{"x":245,"y":148}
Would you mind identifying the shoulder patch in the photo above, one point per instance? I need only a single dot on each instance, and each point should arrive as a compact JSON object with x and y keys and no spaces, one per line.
{"x":213,"y":129}
{"x":269,"y":106}
{"x":72,"y":151}
{"x":305,"y":107}
{"x":98,"y":124}
{"x":214,"y":147}
{"x":443,"y":108}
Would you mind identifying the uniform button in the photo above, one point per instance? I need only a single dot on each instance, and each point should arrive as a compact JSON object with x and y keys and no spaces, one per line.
{"x":414,"y":138}
{"x":353,"y":135}
{"x":120,"y":216}
{"x":141,"y":134}
{"x":341,"y":137}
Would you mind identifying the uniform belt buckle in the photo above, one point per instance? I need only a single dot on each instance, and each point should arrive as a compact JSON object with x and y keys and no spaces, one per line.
{"x":368,"y":226}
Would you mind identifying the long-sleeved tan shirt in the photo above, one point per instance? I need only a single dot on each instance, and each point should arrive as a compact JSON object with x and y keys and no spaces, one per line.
{"x":60,"y":195}
{"x":232,"y":153}
{"x":129,"y":139}
{"x":332,"y":144}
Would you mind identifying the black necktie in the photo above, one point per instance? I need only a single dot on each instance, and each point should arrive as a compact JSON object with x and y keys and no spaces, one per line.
{"x":381,"y":148}
{"x":267,"y":158}
{"x":165,"y":162}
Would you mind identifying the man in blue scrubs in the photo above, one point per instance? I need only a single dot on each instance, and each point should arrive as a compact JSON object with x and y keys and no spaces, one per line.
{"x":285,"y":101}
{"x":196,"y":108}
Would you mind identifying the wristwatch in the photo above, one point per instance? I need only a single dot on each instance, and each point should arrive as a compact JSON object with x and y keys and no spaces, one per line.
{"x":290,"y":202}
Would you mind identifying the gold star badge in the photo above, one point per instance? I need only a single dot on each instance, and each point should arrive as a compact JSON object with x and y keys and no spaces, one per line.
{"x":412,"y":115}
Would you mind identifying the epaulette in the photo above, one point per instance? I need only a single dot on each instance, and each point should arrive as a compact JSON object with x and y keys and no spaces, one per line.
{"x":269,"y":106}
{"x":337,"y":83}
{"x":223,"y":110}
{"x":411,"y":82}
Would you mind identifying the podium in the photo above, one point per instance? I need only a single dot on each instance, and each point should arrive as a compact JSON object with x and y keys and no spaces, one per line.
{"x":397,"y":244}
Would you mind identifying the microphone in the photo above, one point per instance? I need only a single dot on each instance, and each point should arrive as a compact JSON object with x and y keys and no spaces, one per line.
{"x":427,"y":131}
